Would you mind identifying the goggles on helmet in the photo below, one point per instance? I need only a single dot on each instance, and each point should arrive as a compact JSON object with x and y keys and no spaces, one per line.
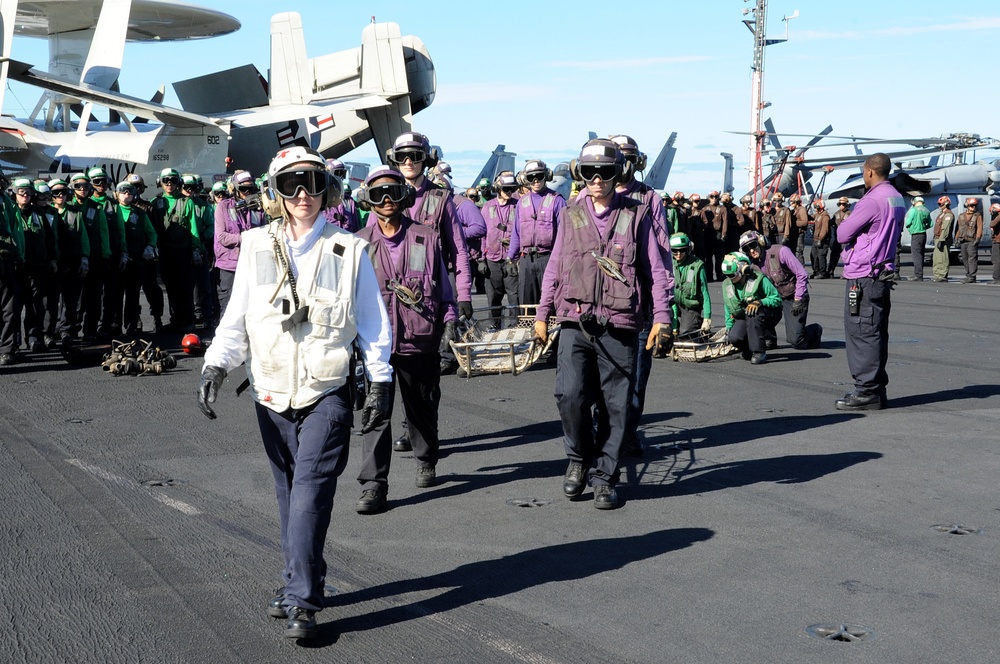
{"x":414,"y":156}
{"x":537,"y":176}
{"x":393,"y":191}
{"x":606,"y":172}
{"x":246,"y":188}
{"x":508,"y":189}
{"x":288,"y":183}
{"x":99,"y":181}
{"x":61,"y":191}
{"x":340,"y":173}
{"x":170,"y":179}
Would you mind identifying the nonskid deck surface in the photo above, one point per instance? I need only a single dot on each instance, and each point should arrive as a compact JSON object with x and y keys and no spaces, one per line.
{"x":134,"y":529}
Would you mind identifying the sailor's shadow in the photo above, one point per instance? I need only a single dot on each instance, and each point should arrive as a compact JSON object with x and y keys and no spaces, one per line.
{"x":694,"y":479}
{"x":489,"y":579}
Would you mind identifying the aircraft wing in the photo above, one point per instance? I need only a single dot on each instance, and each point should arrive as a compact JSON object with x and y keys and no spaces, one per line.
{"x":24,"y":73}
{"x":264,"y":115}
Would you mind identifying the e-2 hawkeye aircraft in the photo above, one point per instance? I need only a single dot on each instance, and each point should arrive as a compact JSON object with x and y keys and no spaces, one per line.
{"x":229,"y":119}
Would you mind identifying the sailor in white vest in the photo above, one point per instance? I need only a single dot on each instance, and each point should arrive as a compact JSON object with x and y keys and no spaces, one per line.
{"x":303,"y":293}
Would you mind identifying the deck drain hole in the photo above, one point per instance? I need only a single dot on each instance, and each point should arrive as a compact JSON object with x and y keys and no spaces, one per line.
{"x":160,"y":482}
{"x":80,"y":420}
{"x":954,"y":529}
{"x":501,"y":399}
{"x":840,"y":633}
{"x":528,"y":502}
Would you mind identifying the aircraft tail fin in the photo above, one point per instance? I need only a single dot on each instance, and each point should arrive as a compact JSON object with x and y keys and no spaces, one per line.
{"x":104,"y":60}
{"x":290,"y":77}
{"x":499,"y":161}
{"x":727,"y":173}
{"x":383,"y":72}
{"x":8,"y":14}
{"x":658,"y":172}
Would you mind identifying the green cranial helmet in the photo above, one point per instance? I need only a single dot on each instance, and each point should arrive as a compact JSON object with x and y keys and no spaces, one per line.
{"x":734,"y":263}
{"x":680,"y":242}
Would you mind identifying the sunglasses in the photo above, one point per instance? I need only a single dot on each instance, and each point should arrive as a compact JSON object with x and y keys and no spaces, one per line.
{"x":288,"y":183}
{"x":396,"y":193}
{"x":606,"y":172}
{"x":534,"y":177}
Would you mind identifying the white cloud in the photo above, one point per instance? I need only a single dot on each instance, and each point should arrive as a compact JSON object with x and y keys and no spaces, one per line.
{"x":478,"y":93}
{"x":967,"y":25}
{"x":630,"y":63}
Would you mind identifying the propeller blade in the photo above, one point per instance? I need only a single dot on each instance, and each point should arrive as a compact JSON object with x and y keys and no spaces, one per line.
{"x":771,"y":134}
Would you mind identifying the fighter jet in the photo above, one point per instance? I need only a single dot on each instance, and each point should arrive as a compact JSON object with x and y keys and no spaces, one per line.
{"x":230,"y":119}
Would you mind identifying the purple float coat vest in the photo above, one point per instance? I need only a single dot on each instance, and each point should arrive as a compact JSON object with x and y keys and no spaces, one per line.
{"x":434,"y":207}
{"x":535,"y":223}
{"x":229,"y":225}
{"x":785,"y":271}
{"x":344,"y":215}
{"x":499,"y":219}
{"x":574,"y":285}
{"x":643,"y":193}
{"x":412,"y":258}
{"x":870,"y":233}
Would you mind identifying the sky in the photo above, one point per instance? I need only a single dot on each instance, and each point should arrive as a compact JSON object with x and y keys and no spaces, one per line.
{"x":539,"y":80}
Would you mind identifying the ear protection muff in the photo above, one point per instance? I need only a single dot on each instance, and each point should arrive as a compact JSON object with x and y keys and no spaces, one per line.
{"x":270,"y":202}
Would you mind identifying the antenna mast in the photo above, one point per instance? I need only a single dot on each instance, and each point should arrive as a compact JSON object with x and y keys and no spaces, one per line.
{"x":758,"y":27}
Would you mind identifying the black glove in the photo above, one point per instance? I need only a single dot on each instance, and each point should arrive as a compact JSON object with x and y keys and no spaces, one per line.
{"x":465,"y":310}
{"x":211,"y":381}
{"x":663,"y":342}
{"x":449,"y":334}
{"x":483,"y":268}
{"x":798,"y":306}
{"x":378,"y":406}
{"x":510,"y":269}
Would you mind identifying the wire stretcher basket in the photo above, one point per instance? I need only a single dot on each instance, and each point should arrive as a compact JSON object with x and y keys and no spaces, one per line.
{"x":701,"y":346}
{"x":501,"y":344}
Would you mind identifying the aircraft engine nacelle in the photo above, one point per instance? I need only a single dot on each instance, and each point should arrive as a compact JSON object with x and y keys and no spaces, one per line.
{"x":966,"y":178}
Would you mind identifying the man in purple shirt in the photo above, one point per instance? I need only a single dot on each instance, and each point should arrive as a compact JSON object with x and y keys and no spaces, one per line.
{"x":604,"y":266}
{"x":790,"y":278}
{"x":869,"y":237}
{"x":502,"y":277}
{"x":535,"y":226}
{"x":411,"y":153}
{"x":418,"y":299}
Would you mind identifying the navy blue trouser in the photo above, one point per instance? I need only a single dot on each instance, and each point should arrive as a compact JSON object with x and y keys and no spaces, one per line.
{"x":531,"y":270}
{"x":595,"y":371}
{"x":867,"y":335}
{"x":419,"y":380}
{"x":643,"y":367}
{"x":308,"y":450}
{"x":749,"y":333}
